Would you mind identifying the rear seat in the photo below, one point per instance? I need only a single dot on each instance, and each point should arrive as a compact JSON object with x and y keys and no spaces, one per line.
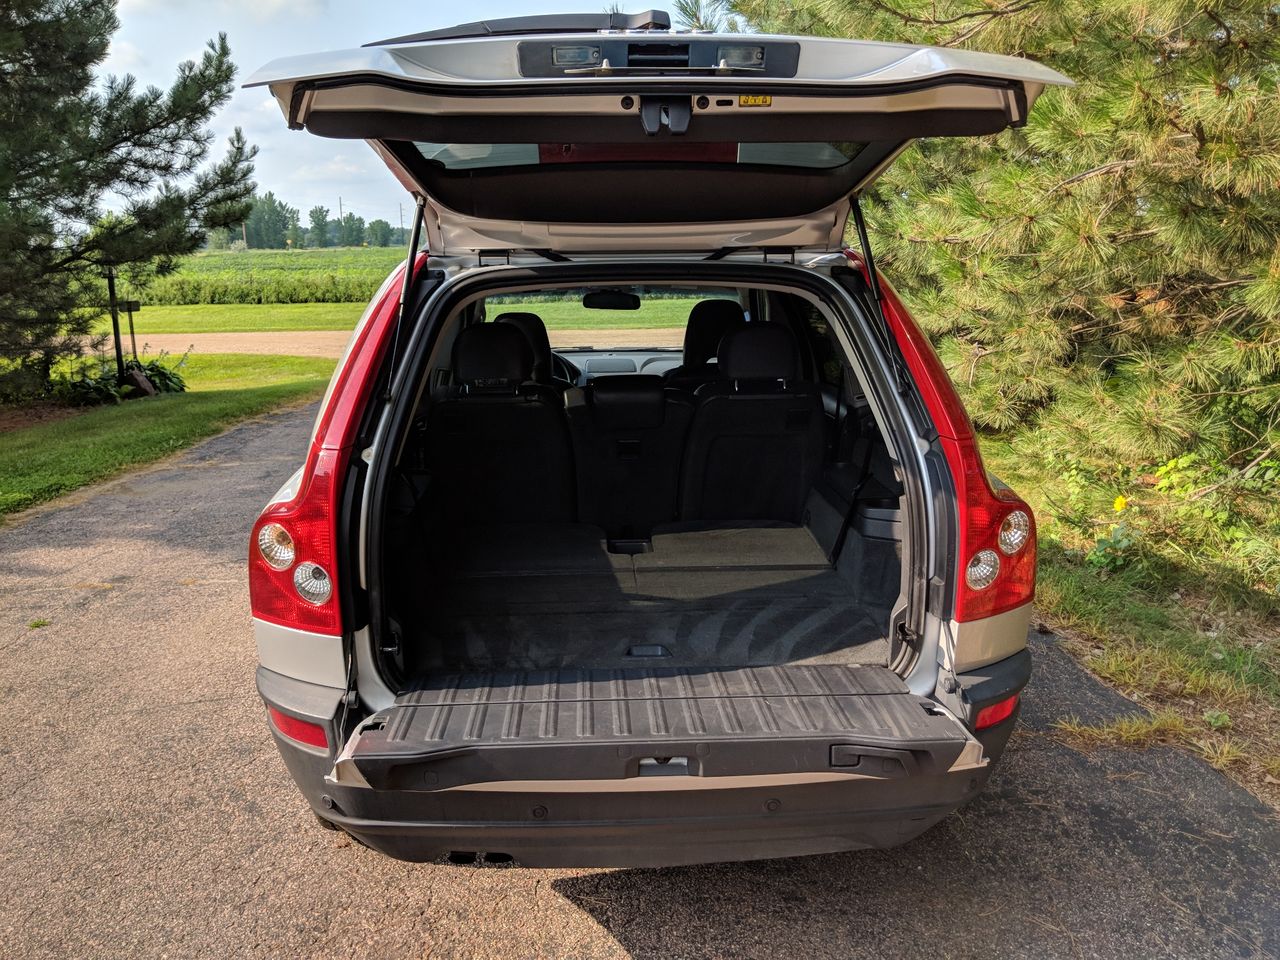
{"x":709,"y":322}
{"x":756,"y":442}
{"x":628,"y":435}
{"x":499,"y":448}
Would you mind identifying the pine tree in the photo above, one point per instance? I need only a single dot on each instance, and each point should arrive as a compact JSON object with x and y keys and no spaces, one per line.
{"x":1111,"y":272}
{"x":68,"y":146}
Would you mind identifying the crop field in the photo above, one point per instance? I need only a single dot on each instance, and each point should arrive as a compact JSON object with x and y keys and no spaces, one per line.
{"x":330,"y":275}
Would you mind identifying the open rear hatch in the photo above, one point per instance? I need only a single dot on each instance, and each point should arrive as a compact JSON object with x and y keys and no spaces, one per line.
{"x":547,"y":729}
{"x":576,"y":133}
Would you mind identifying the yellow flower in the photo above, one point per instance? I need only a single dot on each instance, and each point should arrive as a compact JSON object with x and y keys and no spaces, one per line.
{"x":1120,"y":503}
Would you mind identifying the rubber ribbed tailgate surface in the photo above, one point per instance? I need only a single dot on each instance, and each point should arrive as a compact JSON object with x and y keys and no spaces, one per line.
{"x":542,"y":706}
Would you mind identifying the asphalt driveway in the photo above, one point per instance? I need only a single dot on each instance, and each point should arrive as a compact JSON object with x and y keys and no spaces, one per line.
{"x":146,"y":812}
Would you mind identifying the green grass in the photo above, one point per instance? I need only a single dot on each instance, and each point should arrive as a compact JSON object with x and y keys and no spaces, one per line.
{"x":238,"y":318}
{"x":572,"y":315}
{"x":245,"y":318}
{"x":46,"y":461}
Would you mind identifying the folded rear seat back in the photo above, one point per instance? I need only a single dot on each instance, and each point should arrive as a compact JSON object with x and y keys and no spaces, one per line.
{"x":499,"y":449}
{"x":629,"y":435}
{"x":757,"y":438}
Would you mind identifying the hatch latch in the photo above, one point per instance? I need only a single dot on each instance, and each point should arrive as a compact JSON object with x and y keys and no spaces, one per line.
{"x":672,"y":113}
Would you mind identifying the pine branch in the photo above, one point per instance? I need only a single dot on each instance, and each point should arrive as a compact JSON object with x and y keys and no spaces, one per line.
{"x":946,"y":21}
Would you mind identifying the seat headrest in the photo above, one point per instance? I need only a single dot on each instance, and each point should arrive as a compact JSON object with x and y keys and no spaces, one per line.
{"x":628,"y":401}
{"x":709,"y":321}
{"x":535,"y":331}
{"x":491,"y":354}
{"x":759,"y":351}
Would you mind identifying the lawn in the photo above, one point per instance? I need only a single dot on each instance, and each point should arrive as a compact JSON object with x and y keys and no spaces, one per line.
{"x":250,"y":317}
{"x":238,"y":318}
{"x":1183,"y":635}
{"x":45,"y":461}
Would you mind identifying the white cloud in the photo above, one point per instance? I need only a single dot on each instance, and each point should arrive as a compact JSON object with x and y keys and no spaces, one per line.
{"x":260,"y":10}
{"x":123,"y":57}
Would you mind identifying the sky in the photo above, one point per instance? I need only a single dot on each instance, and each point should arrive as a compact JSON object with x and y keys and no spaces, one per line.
{"x":301,"y":169}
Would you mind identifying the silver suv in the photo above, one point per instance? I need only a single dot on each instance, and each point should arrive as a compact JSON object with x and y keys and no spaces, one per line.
{"x":748,"y":593}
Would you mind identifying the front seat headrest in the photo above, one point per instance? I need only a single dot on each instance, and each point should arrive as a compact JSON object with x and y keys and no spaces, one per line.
{"x":759,"y":351}
{"x":492,"y":355}
{"x":709,"y":322}
{"x":535,"y":331}
{"x":628,"y":401}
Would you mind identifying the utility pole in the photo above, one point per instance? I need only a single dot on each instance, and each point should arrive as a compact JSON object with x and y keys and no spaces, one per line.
{"x":339,"y":208}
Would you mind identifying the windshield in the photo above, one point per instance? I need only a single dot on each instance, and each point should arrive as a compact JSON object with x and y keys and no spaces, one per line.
{"x":637,"y":316}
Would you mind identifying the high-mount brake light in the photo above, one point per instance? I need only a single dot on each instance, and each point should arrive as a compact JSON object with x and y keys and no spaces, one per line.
{"x":990,"y":520}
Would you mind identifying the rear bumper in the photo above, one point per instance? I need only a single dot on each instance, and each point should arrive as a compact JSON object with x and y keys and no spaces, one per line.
{"x":659,"y":828}
{"x":660,"y":821}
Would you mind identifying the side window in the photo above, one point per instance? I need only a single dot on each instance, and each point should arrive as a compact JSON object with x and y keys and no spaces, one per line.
{"x":826,"y":350}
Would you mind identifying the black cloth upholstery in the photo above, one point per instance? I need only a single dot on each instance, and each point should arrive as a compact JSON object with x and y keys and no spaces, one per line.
{"x":757,"y":438}
{"x":535,"y":331}
{"x":759,"y":351}
{"x":487,"y":355}
{"x":628,"y":434}
{"x":709,"y":322}
{"x":499,"y":450}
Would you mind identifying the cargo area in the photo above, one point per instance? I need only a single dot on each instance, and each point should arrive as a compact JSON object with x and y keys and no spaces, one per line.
{"x":707,"y":549}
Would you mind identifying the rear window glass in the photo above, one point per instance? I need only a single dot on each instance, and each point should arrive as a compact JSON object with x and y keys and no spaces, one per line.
{"x":661,"y":310}
{"x":480,"y":156}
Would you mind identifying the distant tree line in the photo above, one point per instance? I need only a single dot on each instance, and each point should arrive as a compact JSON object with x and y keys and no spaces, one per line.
{"x":274,"y":225}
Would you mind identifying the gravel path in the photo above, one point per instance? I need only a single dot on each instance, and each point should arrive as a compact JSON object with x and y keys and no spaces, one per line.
{"x":147,"y":812}
{"x":330,"y":343}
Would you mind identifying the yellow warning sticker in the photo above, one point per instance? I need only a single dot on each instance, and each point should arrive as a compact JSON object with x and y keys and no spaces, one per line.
{"x":755,"y":100}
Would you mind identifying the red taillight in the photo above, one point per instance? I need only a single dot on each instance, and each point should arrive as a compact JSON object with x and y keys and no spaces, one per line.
{"x":981,"y":509}
{"x":996,"y":713}
{"x":312,"y":734}
{"x":310,"y":519}
{"x":981,"y":512}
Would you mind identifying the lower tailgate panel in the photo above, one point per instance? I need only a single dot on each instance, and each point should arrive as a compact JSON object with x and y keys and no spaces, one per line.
{"x":575,"y":726}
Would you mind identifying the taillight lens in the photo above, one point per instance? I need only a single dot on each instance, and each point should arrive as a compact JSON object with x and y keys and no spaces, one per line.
{"x":309,"y":522}
{"x":992,"y":521}
{"x":997,"y":539}
{"x":1015,"y":531}
{"x":303,"y":731}
{"x":982,"y":570}
{"x":276,"y":546}
{"x":995,"y":713}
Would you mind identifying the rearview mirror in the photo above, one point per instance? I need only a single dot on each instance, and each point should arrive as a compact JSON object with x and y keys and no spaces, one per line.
{"x":611,"y":300}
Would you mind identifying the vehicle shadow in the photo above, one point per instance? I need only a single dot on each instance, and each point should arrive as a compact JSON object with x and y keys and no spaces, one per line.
{"x":1118,"y":853}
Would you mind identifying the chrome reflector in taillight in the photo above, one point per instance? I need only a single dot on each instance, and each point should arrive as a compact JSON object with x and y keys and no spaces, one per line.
{"x":1015,"y":531}
{"x":276,"y":546}
{"x":982,"y":570}
{"x":312,"y":583}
